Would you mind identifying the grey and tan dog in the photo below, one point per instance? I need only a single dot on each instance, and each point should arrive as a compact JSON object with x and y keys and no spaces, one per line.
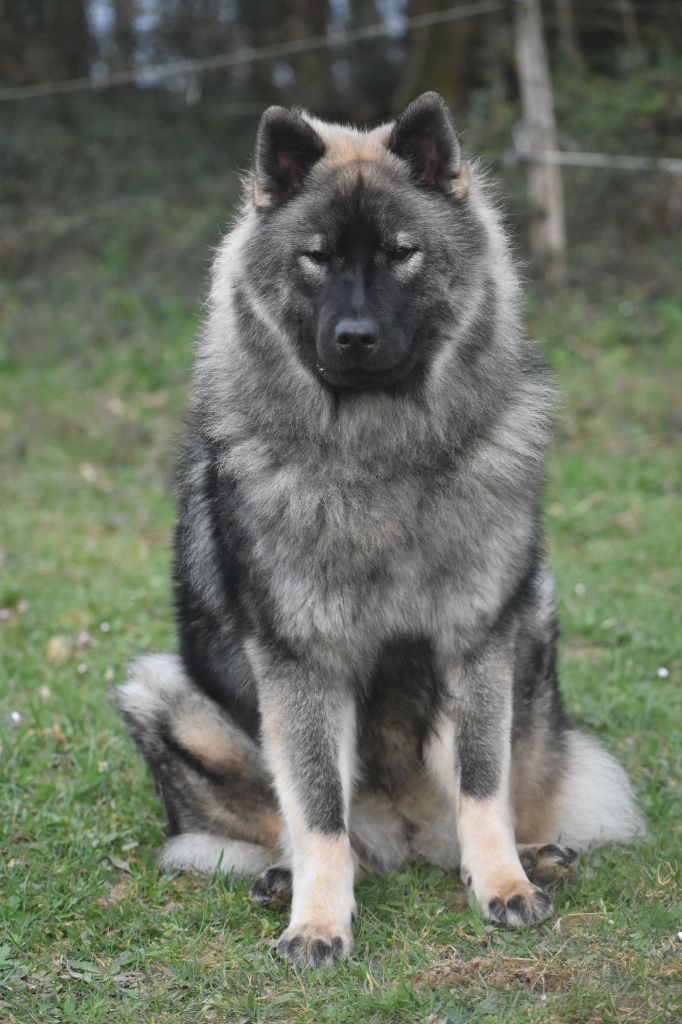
{"x":367,"y":666}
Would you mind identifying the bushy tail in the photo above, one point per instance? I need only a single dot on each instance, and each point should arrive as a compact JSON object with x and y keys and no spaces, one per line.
{"x":594,"y":802}
{"x":220,"y":809}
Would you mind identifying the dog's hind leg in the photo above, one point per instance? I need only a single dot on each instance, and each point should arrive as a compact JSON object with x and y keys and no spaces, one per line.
{"x":567,"y":790}
{"x":548,"y":864}
{"x":273,"y":888}
{"x":221,"y":811}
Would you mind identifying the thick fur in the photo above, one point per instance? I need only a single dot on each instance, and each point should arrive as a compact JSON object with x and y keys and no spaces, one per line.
{"x":367,"y":668}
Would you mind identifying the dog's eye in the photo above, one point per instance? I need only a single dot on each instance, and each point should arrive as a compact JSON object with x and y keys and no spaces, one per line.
{"x":317,"y":257}
{"x":402,"y":252}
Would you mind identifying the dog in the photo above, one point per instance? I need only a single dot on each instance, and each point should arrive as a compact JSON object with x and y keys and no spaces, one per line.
{"x":367,"y":629}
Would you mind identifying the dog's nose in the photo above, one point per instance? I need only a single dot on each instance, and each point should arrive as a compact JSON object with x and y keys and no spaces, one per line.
{"x":357,"y":334}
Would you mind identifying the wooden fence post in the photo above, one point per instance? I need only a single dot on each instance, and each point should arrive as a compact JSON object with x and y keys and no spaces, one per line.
{"x":547,"y":228}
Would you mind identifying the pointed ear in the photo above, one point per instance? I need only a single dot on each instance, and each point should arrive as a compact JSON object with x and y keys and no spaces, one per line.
{"x":286,"y":149}
{"x":425,"y":137}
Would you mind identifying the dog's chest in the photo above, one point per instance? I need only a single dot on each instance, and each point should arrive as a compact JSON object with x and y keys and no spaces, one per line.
{"x":337,"y":527}
{"x":347,"y":553}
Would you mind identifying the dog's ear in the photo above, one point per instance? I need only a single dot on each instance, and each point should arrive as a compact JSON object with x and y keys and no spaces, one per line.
{"x":425,"y":137}
{"x":286,"y":148}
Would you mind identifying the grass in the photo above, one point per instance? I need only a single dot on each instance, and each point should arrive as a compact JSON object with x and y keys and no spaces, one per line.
{"x":91,"y":397}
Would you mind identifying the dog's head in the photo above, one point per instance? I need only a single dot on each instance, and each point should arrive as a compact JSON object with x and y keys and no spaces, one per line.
{"x":363,"y":240}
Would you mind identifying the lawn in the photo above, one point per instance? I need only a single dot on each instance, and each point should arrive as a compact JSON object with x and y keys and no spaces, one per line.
{"x":92,"y":391}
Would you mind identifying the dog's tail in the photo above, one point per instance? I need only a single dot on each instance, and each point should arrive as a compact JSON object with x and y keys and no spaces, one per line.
{"x":220,"y":809}
{"x":593,"y":802}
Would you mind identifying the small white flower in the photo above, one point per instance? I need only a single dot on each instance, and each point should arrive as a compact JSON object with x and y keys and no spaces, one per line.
{"x":104,"y":627}
{"x":580,"y":589}
{"x":82,"y":667}
{"x":16,"y":717}
{"x":663,"y":672}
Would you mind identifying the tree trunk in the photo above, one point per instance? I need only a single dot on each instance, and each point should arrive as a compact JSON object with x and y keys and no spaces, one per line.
{"x":547,"y":229}
{"x":568,"y":40}
{"x":123,"y":34}
{"x":417,"y":46}
{"x":313,"y":70}
{"x":42,"y":40}
{"x":73,"y":37}
{"x":448,"y":61}
{"x":630,"y":29}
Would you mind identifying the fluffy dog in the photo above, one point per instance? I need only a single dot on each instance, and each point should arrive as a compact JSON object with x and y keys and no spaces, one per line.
{"x":367,"y":627}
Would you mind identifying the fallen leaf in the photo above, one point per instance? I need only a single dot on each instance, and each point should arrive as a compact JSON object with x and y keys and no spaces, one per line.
{"x":572,"y":924}
{"x":57,"y":651}
{"x":119,"y":863}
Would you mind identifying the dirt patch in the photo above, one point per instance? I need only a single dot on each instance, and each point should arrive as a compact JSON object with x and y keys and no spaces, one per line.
{"x":500,"y":973}
{"x":575,"y":924}
{"x":119,"y":891}
{"x":457,"y":899}
{"x":579,"y":648}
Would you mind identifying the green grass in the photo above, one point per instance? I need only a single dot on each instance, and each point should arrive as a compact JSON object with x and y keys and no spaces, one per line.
{"x":90,"y":931}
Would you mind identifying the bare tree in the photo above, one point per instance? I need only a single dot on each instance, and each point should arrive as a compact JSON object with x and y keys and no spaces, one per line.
{"x":123,"y":33}
{"x":417,"y":46}
{"x":568,"y":40}
{"x":547,"y":226}
{"x":44,"y":39}
{"x":313,"y":70}
{"x":442,"y":57}
{"x":630,"y":28}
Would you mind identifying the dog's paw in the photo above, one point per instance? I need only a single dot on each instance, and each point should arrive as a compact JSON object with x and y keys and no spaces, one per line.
{"x":549,"y":864}
{"x":273,"y":888}
{"x":521,"y":906}
{"x":314,"y":945}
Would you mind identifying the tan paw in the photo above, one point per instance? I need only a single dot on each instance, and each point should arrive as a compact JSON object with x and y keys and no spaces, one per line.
{"x":519,"y":906}
{"x":549,"y":864}
{"x":310,"y":945}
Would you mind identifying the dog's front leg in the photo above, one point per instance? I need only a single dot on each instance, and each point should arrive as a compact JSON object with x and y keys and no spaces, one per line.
{"x":490,"y":865}
{"x":308,"y":727}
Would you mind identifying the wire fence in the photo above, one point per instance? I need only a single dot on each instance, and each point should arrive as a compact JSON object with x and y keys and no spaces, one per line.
{"x":251,"y":55}
{"x":601,"y":161}
{"x":152,"y":73}
{"x":149,"y":74}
